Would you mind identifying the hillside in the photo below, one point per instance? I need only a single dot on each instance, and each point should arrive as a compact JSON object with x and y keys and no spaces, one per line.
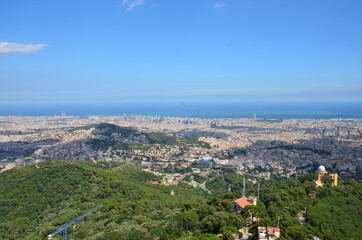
{"x":330,"y":212}
{"x":114,"y":134}
{"x":36,"y":200}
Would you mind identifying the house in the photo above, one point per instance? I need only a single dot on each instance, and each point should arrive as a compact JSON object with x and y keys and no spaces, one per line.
{"x":268,"y":233}
{"x":221,"y":161}
{"x":241,"y":203}
{"x":205,"y":161}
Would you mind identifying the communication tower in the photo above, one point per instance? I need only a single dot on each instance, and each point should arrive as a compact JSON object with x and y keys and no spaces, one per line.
{"x":244,"y":191}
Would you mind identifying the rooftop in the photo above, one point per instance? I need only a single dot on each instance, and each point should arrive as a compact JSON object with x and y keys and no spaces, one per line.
{"x":243,"y":202}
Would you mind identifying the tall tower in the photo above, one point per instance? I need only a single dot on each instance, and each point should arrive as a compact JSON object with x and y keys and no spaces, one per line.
{"x":334,"y":179}
{"x":244,"y":191}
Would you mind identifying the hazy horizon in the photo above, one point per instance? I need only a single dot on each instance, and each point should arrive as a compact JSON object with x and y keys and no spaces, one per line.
{"x":180,"y":51}
{"x":275,"y":110}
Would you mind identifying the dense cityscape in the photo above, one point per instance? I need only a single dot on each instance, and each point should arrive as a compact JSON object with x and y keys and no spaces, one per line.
{"x":235,"y":161}
{"x":264,"y":147}
{"x":181,"y":120}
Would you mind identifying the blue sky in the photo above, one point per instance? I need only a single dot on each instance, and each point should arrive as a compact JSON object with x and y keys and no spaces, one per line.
{"x":180,"y":50}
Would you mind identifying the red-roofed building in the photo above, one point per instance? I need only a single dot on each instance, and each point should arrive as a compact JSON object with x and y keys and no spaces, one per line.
{"x":268,"y":233}
{"x":277,"y":232}
{"x":241,"y":203}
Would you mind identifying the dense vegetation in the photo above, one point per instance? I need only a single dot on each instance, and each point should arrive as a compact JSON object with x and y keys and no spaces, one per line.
{"x":196,"y":177}
{"x":36,"y":200}
{"x":104,"y":144}
{"x":156,"y":138}
{"x":338,"y":214}
{"x":106,"y":130}
{"x":331,"y":212}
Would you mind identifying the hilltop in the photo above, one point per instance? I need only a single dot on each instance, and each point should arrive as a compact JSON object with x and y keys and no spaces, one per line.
{"x":106,"y":141}
{"x":35,"y":200}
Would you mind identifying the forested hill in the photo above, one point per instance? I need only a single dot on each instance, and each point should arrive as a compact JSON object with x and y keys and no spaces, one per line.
{"x":35,"y":200}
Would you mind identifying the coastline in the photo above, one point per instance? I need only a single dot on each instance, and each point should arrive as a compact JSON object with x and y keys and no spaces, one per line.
{"x":259,"y":110}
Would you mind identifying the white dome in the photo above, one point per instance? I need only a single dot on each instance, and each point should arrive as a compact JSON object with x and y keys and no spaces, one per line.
{"x":321,"y":168}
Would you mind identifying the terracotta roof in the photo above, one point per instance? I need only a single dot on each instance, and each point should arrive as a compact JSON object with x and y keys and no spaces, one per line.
{"x":270,"y":230}
{"x":242,"y":202}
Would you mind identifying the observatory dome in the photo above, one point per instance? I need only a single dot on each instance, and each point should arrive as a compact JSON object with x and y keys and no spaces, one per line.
{"x":321,"y":168}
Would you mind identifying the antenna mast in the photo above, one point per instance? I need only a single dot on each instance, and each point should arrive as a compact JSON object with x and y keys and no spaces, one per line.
{"x":244,"y":194}
{"x":278,"y":222}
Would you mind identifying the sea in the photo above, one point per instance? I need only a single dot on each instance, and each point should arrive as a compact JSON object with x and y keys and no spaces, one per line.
{"x":261,"y":110}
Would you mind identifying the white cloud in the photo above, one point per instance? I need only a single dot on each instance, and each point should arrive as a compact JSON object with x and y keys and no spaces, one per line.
{"x":131,"y":4}
{"x":219,"y":5}
{"x":7,"y":47}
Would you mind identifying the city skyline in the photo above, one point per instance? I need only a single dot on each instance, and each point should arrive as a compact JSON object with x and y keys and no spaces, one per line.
{"x":163,"y":51}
